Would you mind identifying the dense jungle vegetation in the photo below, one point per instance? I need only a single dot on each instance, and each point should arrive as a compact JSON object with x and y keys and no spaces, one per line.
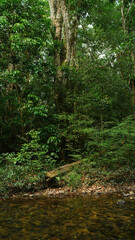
{"x":67,"y":91}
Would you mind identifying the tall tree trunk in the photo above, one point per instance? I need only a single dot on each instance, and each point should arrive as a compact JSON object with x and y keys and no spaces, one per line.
{"x":125,"y":28}
{"x":123,"y":16}
{"x":133,"y":84}
{"x":64,"y":28}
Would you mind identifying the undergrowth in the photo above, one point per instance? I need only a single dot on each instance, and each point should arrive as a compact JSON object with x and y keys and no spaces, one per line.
{"x":109,"y":157}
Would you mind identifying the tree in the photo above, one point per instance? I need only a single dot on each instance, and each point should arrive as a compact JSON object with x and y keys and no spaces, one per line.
{"x":64,"y":32}
{"x":65,"y":18}
{"x":24,"y":30}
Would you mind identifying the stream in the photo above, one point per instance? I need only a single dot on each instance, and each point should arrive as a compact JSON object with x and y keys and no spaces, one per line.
{"x":88,"y":217}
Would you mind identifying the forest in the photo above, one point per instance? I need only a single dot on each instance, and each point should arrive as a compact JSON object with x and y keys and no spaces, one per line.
{"x":67,"y":92}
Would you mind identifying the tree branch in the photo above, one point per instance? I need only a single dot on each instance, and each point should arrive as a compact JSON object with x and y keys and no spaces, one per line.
{"x":123,"y":17}
{"x":129,"y":9}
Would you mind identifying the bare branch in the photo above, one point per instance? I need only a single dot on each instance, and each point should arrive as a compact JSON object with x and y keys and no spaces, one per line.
{"x":129,"y":9}
{"x":123,"y":17}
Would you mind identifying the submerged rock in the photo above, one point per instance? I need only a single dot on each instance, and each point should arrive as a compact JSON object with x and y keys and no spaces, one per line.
{"x":126,"y":195}
{"x":130,"y":194}
{"x":120,"y":202}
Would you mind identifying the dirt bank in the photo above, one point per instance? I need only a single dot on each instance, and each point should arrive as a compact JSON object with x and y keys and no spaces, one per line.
{"x":127,"y":190}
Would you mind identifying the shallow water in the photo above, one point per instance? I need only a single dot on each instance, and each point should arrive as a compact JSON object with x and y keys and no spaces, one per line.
{"x":90,"y":218}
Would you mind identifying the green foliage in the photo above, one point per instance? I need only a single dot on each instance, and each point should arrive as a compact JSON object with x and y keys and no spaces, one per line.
{"x":35,"y":155}
{"x":87,"y":112}
{"x":114,"y":147}
{"x":119,"y":144}
{"x":19,"y":178}
{"x":73,"y":179}
{"x":26,"y":169}
{"x":24,"y":32}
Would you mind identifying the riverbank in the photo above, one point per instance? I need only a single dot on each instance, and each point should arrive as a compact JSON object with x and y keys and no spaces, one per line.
{"x":73,"y":179}
{"x":126,"y":190}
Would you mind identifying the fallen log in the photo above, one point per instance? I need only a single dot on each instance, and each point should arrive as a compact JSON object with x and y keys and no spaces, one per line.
{"x":60,"y":170}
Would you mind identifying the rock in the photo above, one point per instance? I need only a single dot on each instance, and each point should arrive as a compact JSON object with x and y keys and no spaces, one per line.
{"x":126,"y":195}
{"x":31,"y":195}
{"x":132,"y":193}
{"x":25,"y":195}
{"x":61,"y":192}
{"x":14,"y":196}
{"x":120,"y":202}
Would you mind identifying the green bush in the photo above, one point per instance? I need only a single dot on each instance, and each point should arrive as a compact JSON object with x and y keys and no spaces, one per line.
{"x":113,"y":147}
{"x":26,"y":169}
{"x":73,"y":178}
{"x":34,"y":154}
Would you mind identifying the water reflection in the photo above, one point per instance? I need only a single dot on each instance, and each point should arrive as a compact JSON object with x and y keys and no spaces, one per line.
{"x":89,"y":218}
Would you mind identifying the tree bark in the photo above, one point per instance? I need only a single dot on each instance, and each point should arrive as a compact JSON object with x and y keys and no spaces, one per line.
{"x":124,"y":16}
{"x":64,"y":31}
{"x":124,"y":25}
{"x":133,"y":84}
{"x":61,"y":170}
